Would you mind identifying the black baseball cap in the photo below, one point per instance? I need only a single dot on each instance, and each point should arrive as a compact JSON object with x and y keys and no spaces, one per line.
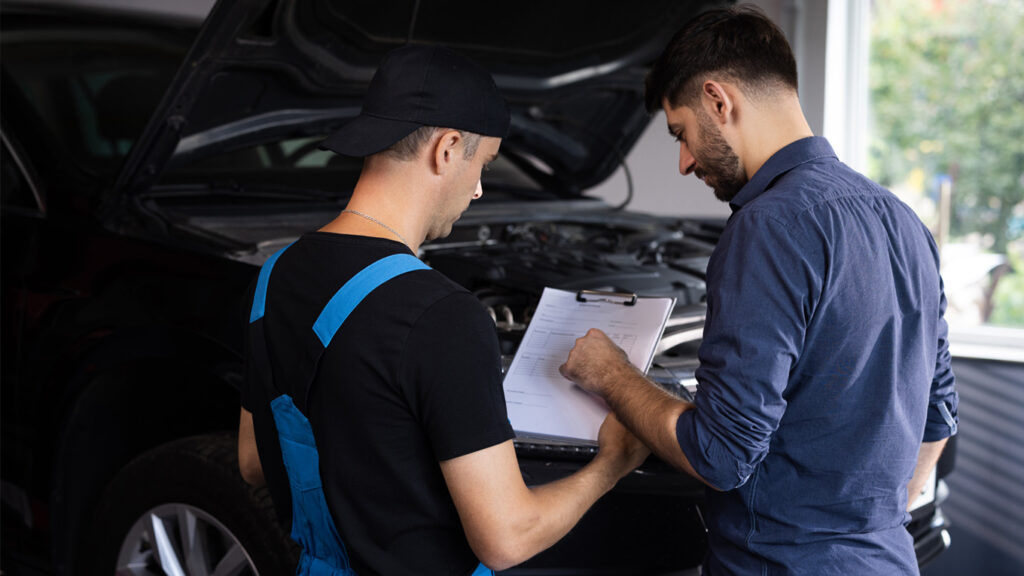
{"x":417,"y":86}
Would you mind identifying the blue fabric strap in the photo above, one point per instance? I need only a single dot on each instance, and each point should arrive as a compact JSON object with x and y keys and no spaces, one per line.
{"x":352,"y":293}
{"x":323,"y":552}
{"x":482,"y":570}
{"x":259,"y":300}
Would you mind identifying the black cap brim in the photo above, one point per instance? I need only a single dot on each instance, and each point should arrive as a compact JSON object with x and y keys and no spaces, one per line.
{"x":366,"y":135}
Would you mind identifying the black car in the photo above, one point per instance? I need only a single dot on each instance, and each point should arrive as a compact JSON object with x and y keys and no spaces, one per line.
{"x":150,"y":167}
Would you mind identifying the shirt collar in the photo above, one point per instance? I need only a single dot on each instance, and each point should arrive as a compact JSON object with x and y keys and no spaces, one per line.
{"x":789,"y":157}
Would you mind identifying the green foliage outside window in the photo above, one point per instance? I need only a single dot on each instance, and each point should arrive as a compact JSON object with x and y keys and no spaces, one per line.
{"x":1009,"y":295}
{"x":947,"y":102}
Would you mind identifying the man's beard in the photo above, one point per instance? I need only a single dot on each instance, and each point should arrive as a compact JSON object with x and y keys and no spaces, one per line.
{"x":717,"y":163}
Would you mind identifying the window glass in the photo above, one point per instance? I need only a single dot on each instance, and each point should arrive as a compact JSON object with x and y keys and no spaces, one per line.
{"x":947,"y":135}
{"x":92,"y":98}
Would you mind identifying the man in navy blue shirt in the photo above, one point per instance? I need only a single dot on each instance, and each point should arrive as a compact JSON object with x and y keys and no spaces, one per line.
{"x":825,"y":392}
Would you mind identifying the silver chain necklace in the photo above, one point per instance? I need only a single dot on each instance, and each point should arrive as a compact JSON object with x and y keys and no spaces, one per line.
{"x":377,"y":222}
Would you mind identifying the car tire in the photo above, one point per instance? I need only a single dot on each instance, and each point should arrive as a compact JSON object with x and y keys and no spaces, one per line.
{"x":183,"y":508}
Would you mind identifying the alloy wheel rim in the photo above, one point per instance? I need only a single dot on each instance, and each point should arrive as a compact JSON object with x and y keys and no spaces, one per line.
{"x":182,"y":540}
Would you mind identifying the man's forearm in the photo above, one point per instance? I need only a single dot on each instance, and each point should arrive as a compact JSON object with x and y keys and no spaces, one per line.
{"x":651,"y":414}
{"x":507,"y":522}
{"x":248,"y":454}
{"x":598,"y":365}
{"x":559,"y":505}
{"x":927,"y":458}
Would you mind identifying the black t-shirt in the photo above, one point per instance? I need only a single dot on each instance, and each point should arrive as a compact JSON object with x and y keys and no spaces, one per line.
{"x":411,"y":378}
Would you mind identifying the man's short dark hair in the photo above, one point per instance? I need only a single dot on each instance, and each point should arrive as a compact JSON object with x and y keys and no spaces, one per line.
{"x":409,"y":147}
{"x":739,"y":43}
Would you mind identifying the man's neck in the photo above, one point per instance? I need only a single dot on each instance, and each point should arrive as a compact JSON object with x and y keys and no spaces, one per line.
{"x":384,"y":206}
{"x":771,"y":127}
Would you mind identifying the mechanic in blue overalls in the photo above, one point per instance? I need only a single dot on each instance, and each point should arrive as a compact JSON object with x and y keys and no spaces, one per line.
{"x":373,"y":389}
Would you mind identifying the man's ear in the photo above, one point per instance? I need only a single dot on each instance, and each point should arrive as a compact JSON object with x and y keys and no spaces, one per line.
{"x":445,"y":150}
{"x":717,"y":100}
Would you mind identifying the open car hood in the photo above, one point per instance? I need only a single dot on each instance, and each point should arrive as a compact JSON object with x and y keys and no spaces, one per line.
{"x":572,"y":72}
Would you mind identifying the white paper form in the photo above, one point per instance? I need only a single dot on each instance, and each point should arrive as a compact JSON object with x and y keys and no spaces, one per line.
{"x":540,"y":401}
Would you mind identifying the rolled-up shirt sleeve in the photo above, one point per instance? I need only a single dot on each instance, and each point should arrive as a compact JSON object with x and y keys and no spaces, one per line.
{"x":943,"y":400}
{"x":762,"y":287}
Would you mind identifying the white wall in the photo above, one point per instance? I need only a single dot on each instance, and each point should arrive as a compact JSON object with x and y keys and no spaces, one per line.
{"x":654,"y":161}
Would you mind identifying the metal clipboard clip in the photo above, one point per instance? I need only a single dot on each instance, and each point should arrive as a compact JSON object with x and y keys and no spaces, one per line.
{"x":624,"y":298}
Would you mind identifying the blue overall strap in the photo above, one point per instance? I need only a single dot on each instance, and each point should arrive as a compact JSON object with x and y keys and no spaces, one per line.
{"x":323,"y":552}
{"x":358,"y":287}
{"x":482,"y":570}
{"x":259,"y":300}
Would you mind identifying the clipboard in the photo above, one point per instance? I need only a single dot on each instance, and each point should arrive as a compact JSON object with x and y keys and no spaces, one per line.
{"x":542,"y":404}
{"x":624,"y":298}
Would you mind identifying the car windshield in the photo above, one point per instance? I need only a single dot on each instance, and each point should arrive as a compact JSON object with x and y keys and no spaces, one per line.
{"x":90,"y":92}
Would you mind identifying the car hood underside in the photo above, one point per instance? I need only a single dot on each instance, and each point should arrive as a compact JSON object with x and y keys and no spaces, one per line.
{"x":571,"y":71}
